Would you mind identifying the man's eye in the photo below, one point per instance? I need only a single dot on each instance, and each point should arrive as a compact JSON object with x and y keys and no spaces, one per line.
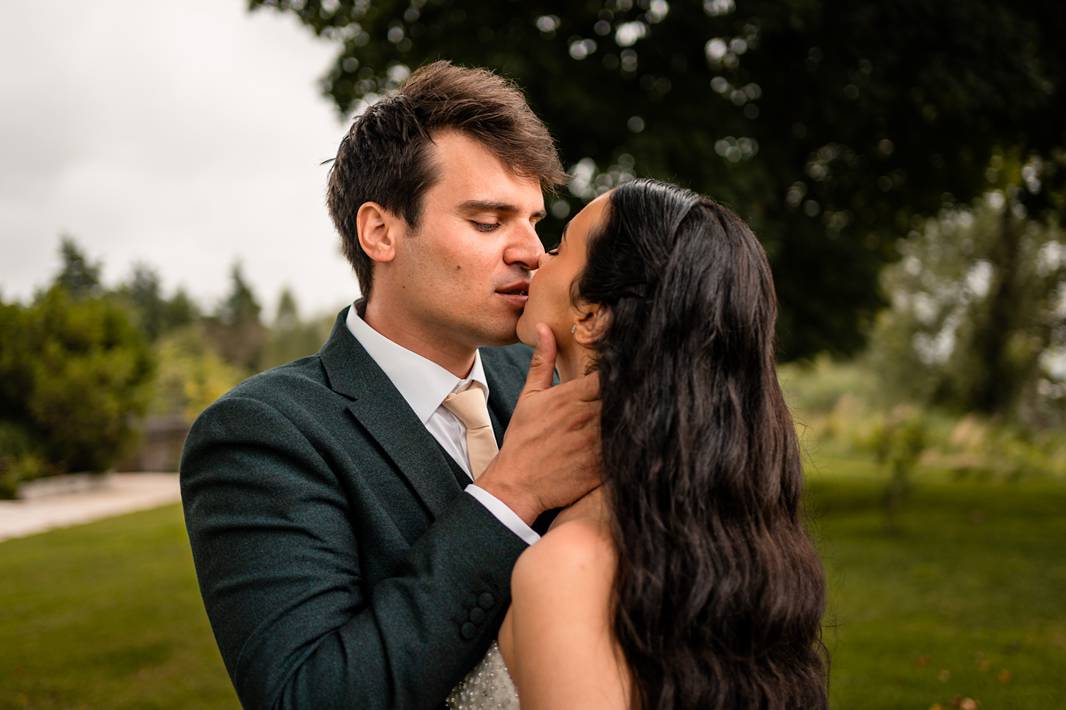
{"x":553,"y":252}
{"x":485,"y":226}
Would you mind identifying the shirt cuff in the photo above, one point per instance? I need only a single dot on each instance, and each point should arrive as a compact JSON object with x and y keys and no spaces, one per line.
{"x":504,"y":514}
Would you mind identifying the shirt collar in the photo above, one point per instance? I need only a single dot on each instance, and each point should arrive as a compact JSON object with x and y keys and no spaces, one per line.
{"x":421,"y":382}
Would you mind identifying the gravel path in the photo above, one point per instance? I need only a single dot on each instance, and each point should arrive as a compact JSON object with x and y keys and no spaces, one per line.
{"x":114,"y":494}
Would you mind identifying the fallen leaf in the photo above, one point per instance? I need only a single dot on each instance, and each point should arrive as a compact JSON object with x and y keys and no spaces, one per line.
{"x":1004,"y":676}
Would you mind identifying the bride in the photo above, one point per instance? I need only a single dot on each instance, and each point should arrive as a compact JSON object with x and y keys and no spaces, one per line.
{"x":687,"y":579}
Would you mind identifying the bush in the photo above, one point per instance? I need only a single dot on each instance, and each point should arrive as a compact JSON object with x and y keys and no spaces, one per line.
{"x":20,"y":458}
{"x":191,"y":375}
{"x":74,"y":377}
{"x":842,"y":406}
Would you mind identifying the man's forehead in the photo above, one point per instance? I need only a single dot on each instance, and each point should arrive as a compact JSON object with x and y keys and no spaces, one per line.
{"x":510,"y":196}
{"x":471,"y":175}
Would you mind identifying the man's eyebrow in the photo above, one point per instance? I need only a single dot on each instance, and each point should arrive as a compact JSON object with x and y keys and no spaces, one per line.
{"x":493,"y":206}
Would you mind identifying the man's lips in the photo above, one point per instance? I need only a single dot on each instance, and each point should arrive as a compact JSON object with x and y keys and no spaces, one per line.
{"x":515,"y":293}
{"x":515,"y":287}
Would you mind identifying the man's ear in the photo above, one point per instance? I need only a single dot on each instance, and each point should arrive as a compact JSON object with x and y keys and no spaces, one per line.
{"x":592,"y":324}
{"x":378,"y":230}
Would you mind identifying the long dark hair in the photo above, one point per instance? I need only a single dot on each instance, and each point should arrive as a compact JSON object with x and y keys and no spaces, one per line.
{"x":719,"y":593}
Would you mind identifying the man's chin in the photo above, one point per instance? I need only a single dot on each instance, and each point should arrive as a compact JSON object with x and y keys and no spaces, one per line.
{"x":503,"y":334}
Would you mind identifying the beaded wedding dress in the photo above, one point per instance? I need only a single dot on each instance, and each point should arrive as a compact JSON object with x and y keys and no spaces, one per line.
{"x":487,"y":687}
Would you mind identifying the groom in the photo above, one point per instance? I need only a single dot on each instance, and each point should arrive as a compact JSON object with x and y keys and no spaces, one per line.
{"x":345,"y":557}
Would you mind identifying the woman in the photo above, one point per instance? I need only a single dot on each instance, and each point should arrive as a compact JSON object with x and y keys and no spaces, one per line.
{"x":687,"y":579}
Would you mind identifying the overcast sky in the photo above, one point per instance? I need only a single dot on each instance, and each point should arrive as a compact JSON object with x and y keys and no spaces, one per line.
{"x":184,"y":135}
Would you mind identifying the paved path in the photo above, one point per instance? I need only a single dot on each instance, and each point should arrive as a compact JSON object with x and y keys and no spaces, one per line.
{"x":119,"y":493}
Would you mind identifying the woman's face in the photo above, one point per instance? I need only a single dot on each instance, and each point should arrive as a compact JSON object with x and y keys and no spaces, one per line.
{"x":551,"y":288}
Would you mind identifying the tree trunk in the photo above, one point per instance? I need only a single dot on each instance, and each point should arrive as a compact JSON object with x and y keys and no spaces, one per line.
{"x":995,"y":382}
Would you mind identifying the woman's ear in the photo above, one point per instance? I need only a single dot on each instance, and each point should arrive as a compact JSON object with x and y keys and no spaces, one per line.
{"x":591,"y":325}
{"x":377,"y":229}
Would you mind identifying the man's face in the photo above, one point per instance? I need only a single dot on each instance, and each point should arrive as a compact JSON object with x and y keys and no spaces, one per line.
{"x":463,"y":274}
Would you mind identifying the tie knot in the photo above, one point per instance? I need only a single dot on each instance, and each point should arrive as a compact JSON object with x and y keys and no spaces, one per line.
{"x":469,"y":407}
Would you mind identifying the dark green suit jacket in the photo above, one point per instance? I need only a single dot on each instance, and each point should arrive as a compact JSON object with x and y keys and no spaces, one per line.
{"x":340,"y":563}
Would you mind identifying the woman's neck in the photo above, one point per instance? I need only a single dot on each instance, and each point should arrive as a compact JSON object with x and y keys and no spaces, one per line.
{"x":572,"y":362}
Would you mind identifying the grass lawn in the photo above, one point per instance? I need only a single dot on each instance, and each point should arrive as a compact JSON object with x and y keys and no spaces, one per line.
{"x":966,"y":598}
{"x":107,"y":615}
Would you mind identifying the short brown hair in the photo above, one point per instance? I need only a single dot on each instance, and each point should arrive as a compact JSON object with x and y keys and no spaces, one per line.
{"x":383,"y":158}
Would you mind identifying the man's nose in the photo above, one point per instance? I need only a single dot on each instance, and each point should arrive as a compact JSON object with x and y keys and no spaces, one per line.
{"x":526,"y":248}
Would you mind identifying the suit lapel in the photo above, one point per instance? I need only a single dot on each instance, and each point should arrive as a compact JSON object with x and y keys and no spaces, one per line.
{"x":383,"y":413}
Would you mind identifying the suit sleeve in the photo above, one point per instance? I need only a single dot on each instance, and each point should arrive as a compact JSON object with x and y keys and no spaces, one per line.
{"x":277,"y":560}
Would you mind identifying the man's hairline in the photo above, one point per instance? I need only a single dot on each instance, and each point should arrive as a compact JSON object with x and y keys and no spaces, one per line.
{"x":433,"y":173}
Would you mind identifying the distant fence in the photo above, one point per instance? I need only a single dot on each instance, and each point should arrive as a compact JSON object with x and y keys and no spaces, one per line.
{"x":162,"y":438}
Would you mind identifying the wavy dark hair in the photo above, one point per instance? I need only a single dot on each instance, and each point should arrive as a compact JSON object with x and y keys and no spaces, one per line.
{"x":719,"y":593}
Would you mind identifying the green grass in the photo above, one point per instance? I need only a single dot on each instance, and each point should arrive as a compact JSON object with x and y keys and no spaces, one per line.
{"x":964,"y":598}
{"x":107,"y":615}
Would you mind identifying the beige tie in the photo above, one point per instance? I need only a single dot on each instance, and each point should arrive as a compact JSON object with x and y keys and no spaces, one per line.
{"x":469,"y":406}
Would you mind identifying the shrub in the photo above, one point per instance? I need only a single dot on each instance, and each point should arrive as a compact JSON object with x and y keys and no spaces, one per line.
{"x":74,"y":377}
{"x":20,"y":458}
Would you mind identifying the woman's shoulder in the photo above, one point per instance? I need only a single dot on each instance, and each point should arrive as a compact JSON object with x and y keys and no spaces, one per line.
{"x":560,"y":619}
{"x":578,"y":551}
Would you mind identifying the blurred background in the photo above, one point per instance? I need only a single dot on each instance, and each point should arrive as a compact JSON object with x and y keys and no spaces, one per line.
{"x":164,"y":235}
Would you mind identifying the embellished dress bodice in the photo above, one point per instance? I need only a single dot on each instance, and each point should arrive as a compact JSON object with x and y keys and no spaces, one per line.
{"x":487,"y":687}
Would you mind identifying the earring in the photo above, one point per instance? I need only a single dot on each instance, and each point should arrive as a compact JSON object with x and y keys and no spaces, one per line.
{"x":573,"y":329}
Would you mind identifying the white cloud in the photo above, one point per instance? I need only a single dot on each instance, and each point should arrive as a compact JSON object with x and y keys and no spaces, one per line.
{"x":184,"y":135}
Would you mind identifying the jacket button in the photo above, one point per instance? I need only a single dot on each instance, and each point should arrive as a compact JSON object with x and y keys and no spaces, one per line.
{"x":477,"y":615}
{"x":468,"y":631}
{"x":486,"y":600}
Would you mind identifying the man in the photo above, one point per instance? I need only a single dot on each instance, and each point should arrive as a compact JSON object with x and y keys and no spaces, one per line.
{"x":344,"y":556}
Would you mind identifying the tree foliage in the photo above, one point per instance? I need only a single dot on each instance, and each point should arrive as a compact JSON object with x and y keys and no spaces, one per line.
{"x":81,"y":364}
{"x":75,"y":374}
{"x":143,"y":292}
{"x":831,"y":126}
{"x":978,"y":314}
{"x":291,"y":337}
{"x":78,"y":276}
{"x":191,"y":375}
{"x":153,"y":312}
{"x":236,"y":330}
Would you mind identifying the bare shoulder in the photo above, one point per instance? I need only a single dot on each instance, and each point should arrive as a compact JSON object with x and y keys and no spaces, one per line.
{"x":557,"y":640}
{"x":579,"y":550}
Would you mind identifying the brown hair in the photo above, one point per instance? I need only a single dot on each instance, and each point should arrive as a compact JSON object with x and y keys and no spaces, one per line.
{"x":384,"y":157}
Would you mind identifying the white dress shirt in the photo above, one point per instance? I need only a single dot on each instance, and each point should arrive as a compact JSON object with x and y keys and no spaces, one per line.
{"x":424,"y":384}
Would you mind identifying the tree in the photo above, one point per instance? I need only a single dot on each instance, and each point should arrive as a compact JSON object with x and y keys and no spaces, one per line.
{"x":78,"y":276}
{"x":978,"y":320}
{"x":291,"y":337}
{"x":833,"y":127}
{"x":181,"y":310}
{"x":75,"y":374}
{"x":191,"y":375}
{"x":154,"y":313}
{"x":236,"y":330}
{"x":144,"y":294}
{"x":288,"y":314}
